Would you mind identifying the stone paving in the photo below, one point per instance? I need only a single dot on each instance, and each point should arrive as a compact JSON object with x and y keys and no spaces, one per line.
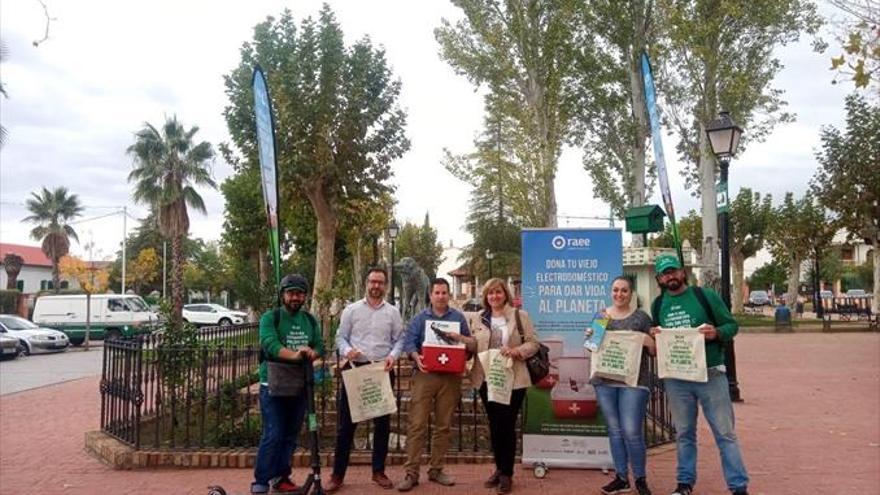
{"x":809,"y":424}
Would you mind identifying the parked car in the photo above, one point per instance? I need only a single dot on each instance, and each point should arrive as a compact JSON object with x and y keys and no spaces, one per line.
{"x":212,"y":314}
{"x":856,"y":293}
{"x":826,"y":294}
{"x":759,"y":298}
{"x":33,"y":338}
{"x":111,"y":315}
{"x":10,"y":347}
{"x":473,"y":304}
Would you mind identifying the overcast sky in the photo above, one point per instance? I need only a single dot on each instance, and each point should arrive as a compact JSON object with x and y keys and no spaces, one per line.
{"x":108,"y":66}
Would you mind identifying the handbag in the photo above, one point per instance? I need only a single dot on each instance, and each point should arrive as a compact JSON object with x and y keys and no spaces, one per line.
{"x":286,"y":379}
{"x":538,"y":364}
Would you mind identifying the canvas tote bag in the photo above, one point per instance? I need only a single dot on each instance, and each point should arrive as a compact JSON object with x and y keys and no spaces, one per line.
{"x":681,"y":354}
{"x":619,"y":357}
{"x":498,"y":370}
{"x":369,"y":392}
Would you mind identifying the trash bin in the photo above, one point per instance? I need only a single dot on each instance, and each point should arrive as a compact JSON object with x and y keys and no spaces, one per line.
{"x":782,"y":318}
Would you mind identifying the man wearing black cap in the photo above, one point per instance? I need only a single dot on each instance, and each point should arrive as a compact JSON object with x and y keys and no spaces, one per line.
{"x":681,"y":306}
{"x":289,"y":334}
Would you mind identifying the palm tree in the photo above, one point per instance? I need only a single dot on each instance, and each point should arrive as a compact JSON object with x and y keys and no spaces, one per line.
{"x":51,"y":211}
{"x":167,"y":167}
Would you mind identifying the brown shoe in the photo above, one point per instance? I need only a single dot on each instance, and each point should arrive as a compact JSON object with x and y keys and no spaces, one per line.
{"x":505,"y":484}
{"x":334,"y":484}
{"x":380,"y":479}
{"x":492,"y":481}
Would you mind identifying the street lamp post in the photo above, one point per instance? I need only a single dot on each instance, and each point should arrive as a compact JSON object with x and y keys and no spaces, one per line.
{"x":490,"y":256}
{"x":392,"y":234}
{"x":724,"y":136}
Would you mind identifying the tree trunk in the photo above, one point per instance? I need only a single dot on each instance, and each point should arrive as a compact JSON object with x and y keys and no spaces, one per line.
{"x":709,"y":209}
{"x":176,"y":281}
{"x":642,"y":130}
{"x":737,"y":261}
{"x":794,"y":277}
{"x":324,"y":263}
{"x":357,"y":267}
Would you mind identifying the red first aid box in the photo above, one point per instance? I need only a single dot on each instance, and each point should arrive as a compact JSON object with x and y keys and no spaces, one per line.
{"x":444,"y":358}
{"x":573,"y":396}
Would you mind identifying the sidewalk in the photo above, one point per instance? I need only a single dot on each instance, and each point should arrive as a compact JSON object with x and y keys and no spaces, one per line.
{"x":809,"y":424}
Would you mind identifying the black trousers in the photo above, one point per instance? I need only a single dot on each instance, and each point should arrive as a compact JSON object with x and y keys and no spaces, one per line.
{"x":502,"y":428}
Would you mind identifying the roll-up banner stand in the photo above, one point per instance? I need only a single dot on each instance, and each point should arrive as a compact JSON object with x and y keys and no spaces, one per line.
{"x":566,"y":281}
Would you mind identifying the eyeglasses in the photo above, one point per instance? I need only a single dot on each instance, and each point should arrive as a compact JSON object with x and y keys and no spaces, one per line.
{"x":375,"y":282}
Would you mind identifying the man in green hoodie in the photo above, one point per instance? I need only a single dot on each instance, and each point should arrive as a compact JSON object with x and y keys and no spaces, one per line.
{"x":287,"y":334}
{"x":682,"y":306}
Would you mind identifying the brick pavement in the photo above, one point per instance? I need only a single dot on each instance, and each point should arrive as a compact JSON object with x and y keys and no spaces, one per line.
{"x":809,"y":425}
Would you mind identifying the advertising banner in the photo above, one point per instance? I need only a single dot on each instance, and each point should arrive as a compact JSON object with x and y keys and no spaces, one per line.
{"x":657,"y":142}
{"x":268,"y":168}
{"x":566,"y":281}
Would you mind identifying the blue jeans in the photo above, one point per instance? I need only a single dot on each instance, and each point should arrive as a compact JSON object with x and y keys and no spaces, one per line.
{"x":714,"y":397}
{"x":282,"y":418}
{"x":345,"y":430}
{"x":624,"y":410}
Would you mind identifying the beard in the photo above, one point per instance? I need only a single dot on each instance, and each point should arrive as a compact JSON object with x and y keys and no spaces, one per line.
{"x":375,"y":293}
{"x":673,"y":284}
{"x":293,"y":306}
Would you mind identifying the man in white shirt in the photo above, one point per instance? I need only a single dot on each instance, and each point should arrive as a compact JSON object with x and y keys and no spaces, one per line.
{"x":370,"y":330}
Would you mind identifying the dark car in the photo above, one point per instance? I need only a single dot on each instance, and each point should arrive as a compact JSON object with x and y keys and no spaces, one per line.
{"x":759,"y":298}
{"x":472,"y":304}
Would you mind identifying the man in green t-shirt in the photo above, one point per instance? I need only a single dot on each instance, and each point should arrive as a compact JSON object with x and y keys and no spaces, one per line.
{"x":681,"y":306}
{"x":289,"y":333}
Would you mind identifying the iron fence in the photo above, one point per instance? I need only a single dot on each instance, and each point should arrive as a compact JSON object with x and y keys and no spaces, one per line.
{"x":156,"y":396}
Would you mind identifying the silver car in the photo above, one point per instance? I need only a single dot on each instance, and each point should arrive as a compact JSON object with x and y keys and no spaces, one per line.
{"x":34,"y":339}
{"x":10,"y":347}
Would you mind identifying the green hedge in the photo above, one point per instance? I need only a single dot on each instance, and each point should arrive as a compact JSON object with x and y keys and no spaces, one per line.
{"x":9,"y":301}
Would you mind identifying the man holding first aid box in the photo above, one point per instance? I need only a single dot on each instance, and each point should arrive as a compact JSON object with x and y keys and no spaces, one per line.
{"x":435,"y":341}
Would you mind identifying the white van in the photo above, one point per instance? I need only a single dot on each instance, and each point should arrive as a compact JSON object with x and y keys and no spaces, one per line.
{"x":112,"y":315}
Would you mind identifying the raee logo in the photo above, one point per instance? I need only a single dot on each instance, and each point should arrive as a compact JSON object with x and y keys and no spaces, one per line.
{"x":559,"y":242}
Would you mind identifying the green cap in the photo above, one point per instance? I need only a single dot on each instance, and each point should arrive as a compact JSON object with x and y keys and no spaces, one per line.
{"x":665,"y":262}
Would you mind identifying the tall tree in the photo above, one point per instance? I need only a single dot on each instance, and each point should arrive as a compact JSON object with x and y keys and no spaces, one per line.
{"x":799,"y":229}
{"x":502,"y":198}
{"x":612,"y":118}
{"x":520,"y":51}
{"x":420,"y":243}
{"x":848,"y":183}
{"x":168,"y":165}
{"x":721,"y":57}
{"x":750,"y":218}
{"x":338,"y":109}
{"x":361,"y":227}
{"x":769,"y":275}
{"x":690,"y":228}
{"x":52,"y":211}
{"x":143,"y":270}
{"x":12,"y":264}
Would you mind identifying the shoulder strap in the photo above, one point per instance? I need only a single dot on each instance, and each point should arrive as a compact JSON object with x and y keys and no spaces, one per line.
{"x":522,"y":337}
{"x":655,"y":309}
{"x":701,"y":296}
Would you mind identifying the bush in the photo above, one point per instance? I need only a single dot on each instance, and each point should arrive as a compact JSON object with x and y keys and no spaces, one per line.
{"x":9,"y":301}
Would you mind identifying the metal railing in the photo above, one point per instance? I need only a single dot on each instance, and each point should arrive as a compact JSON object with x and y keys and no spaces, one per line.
{"x":160,"y":397}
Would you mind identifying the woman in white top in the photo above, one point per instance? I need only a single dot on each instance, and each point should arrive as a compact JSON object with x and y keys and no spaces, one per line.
{"x":501,"y":326}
